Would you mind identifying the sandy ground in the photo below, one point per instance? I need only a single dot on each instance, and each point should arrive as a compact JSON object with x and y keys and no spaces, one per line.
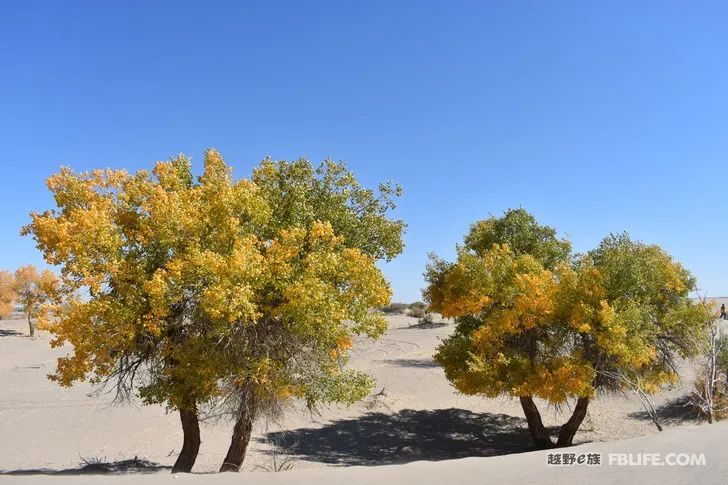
{"x":523,"y":469}
{"x":412,"y":415}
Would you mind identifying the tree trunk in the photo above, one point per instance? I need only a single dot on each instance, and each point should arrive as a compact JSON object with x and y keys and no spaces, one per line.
{"x":191,"y":444}
{"x":540,"y":436}
{"x":242,"y":430}
{"x":31,"y":326}
{"x":569,"y":429}
{"x":239,"y":443}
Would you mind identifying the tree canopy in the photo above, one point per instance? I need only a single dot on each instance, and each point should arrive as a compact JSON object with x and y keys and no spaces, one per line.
{"x":523,"y":235}
{"x":34,"y":290}
{"x":533,"y":320}
{"x":206,"y":288}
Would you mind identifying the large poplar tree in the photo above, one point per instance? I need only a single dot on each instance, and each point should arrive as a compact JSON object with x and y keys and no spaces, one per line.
{"x":196,"y":291}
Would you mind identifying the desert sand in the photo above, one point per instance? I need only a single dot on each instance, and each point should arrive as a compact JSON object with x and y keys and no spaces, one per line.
{"x":413,"y":428}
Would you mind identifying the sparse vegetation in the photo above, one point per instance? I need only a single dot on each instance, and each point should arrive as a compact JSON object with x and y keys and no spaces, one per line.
{"x":97,"y":465}
{"x":280,"y":459}
{"x":710,"y":388}
{"x":395,"y":308}
{"x":427,"y":319}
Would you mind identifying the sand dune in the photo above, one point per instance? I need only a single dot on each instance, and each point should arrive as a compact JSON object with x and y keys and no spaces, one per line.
{"x":411,"y":419}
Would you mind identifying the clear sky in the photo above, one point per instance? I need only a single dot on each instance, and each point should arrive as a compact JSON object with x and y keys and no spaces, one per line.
{"x":597,"y":117}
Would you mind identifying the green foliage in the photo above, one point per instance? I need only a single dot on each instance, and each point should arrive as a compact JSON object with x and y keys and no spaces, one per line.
{"x":301,"y":194}
{"x":522,"y":233}
{"x":634,"y":271}
{"x":537,"y":321}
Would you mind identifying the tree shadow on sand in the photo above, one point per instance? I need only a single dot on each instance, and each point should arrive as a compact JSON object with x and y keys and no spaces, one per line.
{"x":413,"y":363}
{"x":405,"y":436}
{"x":424,"y":325}
{"x":676,"y":411}
{"x":98,"y":467}
{"x":4,"y":332}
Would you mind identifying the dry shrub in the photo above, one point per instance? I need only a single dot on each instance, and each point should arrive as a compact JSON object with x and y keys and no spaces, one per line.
{"x":395,"y":309}
{"x":417,"y":312}
{"x":720,"y":400}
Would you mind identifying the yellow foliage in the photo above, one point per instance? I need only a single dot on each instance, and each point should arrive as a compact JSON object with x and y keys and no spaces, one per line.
{"x":175,"y":271}
{"x":36,"y":292}
{"x":526,"y":330}
{"x":7,"y":294}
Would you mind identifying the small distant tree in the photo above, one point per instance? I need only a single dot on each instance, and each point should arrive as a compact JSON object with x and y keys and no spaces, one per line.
{"x":426,"y":319}
{"x":416,"y":312}
{"x":417,"y":309}
{"x":35,"y":289}
{"x":7,"y":293}
{"x":535,"y":321}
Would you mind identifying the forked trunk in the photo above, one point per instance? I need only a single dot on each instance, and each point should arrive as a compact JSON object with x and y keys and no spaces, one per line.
{"x":242,"y":430}
{"x":569,"y":429}
{"x":540,"y":435}
{"x":191,"y":444}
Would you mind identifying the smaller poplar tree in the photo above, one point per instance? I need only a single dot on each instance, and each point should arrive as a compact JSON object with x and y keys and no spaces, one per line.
{"x":535,"y":321}
{"x":33,"y":290}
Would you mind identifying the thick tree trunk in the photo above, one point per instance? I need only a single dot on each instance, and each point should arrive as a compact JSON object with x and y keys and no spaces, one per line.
{"x":242,"y":430}
{"x":31,"y":326}
{"x":569,"y":429}
{"x":539,"y":433}
{"x":191,"y":444}
{"x":239,"y":443}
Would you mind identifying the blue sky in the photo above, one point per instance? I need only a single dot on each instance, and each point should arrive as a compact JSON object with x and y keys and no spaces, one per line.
{"x":598,"y":117}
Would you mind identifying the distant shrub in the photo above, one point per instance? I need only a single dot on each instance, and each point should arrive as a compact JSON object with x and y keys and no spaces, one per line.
{"x":427,"y":319}
{"x":418,"y":304}
{"x":395,"y":308}
{"x":416,"y":312}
